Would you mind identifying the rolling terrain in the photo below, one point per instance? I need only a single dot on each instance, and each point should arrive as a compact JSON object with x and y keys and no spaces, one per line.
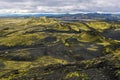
{"x":51,"y":49}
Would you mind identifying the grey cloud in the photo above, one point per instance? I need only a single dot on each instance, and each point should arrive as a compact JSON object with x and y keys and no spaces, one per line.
{"x":59,"y":6}
{"x":12,"y":0}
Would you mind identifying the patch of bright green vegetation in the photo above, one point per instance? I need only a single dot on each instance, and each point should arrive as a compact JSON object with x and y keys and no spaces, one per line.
{"x":16,"y":64}
{"x":117,"y":53}
{"x":42,"y":61}
{"x":92,"y":62}
{"x":76,"y":74}
{"x":104,"y":43}
{"x":21,"y":40}
{"x":23,"y":66}
{"x":87,"y":37}
{"x":83,"y":27}
{"x":99,"y":25}
{"x":92,"y":49}
{"x":47,"y":60}
{"x":75,"y":28}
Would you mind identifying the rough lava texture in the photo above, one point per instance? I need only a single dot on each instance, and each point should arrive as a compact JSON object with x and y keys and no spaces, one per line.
{"x":50,"y":49}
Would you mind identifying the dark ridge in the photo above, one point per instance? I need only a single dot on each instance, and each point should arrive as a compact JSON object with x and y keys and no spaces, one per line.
{"x":57,"y":31}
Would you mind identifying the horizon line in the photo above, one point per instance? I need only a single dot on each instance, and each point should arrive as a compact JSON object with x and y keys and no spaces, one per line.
{"x":68,"y":13}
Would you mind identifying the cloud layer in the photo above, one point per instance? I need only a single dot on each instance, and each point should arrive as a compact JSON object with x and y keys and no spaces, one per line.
{"x":59,"y":6}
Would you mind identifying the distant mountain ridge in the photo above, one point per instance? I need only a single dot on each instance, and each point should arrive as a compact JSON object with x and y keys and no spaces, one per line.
{"x":91,"y":16}
{"x":26,"y":15}
{"x":79,"y":16}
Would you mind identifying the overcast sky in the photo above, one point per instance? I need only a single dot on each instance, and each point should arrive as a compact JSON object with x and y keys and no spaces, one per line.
{"x":59,"y":6}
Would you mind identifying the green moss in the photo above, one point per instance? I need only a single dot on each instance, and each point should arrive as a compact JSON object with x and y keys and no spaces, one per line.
{"x":75,"y":28}
{"x":90,"y":63}
{"x":21,"y":40}
{"x":86,"y":37}
{"x":92,"y":49}
{"x":99,"y":25}
{"x":16,"y":64}
{"x":83,"y":27}
{"x":47,"y":60}
{"x":117,"y":53}
{"x":76,"y":74}
{"x":33,"y":31}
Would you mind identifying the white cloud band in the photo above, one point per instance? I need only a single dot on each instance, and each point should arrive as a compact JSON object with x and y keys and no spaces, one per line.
{"x":58,"y":6}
